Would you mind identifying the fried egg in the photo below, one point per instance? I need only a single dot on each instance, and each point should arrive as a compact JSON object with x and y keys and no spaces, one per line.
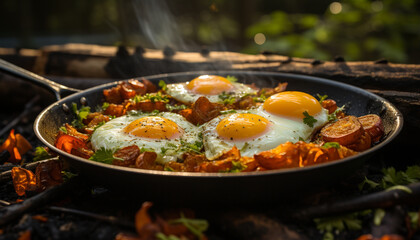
{"x":209,"y":86}
{"x":300,"y":111}
{"x":163,"y":133}
{"x":280,"y":119}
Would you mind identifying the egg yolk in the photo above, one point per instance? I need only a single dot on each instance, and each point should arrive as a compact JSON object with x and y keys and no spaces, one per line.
{"x":292,"y":104}
{"x":242,"y":126}
{"x":153,"y":127}
{"x":209,"y":85}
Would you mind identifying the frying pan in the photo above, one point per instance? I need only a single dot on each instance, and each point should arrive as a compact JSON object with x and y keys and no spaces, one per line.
{"x":224,"y":188}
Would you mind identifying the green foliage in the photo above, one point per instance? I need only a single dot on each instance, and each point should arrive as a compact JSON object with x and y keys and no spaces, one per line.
{"x":80,"y":114}
{"x":196,"y":226}
{"x":162,"y":84}
{"x":363,"y":30}
{"x":393,"y":179}
{"x":41,"y":154}
{"x":231,"y":78}
{"x":336,"y":224}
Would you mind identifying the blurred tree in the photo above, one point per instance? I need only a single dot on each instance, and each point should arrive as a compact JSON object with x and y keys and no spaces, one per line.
{"x":355,"y":29}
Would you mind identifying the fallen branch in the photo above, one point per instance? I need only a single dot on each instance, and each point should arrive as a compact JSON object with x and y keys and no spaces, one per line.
{"x":108,"y":219}
{"x":12,"y":212}
{"x":6,"y":176}
{"x":383,"y":199}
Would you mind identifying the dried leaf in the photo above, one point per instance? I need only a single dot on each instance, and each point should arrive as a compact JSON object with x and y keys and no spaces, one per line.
{"x":23,"y":180}
{"x":40,"y":218}
{"x":48,"y":174}
{"x":16,"y":145}
{"x":143,"y":217}
{"x":25,"y":235}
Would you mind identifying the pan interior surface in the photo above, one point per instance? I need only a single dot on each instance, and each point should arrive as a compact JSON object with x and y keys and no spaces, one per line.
{"x":266,"y":185}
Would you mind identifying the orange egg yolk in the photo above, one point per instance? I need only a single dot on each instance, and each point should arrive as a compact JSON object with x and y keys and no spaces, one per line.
{"x":209,"y":85}
{"x":242,"y":126}
{"x":292,"y":104}
{"x":153,"y":127}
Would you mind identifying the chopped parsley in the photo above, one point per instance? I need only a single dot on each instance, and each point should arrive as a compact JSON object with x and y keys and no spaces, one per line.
{"x":63,"y":129}
{"x":227,"y":98}
{"x":333,"y":116}
{"x":105,"y":105}
{"x":260,"y":99}
{"x":41,"y":154}
{"x":331,"y":145}
{"x":154,"y":112}
{"x":162,"y":84}
{"x":104,"y":156}
{"x":321,"y":97}
{"x":81,"y":114}
{"x":143,"y":149}
{"x":175,"y":107}
{"x":231,"y":78}
{"x":192,"y":147}
{"x":153,"y":97}
{"x":228,"y":111}
{"x":309,"y":120}
{"x":169,"y":169}
{"x":237,"y":166}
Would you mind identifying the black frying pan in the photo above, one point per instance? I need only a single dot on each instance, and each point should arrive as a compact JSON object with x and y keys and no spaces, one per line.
{"x":249,"y":187}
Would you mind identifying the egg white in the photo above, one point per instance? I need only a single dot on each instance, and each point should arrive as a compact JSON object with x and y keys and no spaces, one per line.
{"x":282,"y":130}
{"x":111,"y":136}
{"x":180,"y":92}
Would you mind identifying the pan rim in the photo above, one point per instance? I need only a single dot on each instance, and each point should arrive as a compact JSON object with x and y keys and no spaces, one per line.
{"x":398,"y":125}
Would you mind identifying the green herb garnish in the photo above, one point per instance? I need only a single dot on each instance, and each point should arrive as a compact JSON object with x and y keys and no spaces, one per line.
{"x":333,"y":116}
{"x":104,"y":156}
{"x":162,"y":84}
{"x":260,"y":99}
{"x":176,"y":107}
{"x":321,"y":97}
{"x":63,"y":129}
{"x":331,"y":144}
{"x":81,"y":114}
{"x":143,"y":149}
{"x":309,"y":120}
{"x":237,"y":166}
{"x":228,"y":111}
{"x":169,"y":169}
{"x":231,"y":78}
{"x":192,"y":147}
{"x":227,"y":98}
{"x":105,"y":105}
{"x":153,"y":97}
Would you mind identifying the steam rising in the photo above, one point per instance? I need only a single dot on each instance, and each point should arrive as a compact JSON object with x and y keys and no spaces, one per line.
{"x":158,"y":24}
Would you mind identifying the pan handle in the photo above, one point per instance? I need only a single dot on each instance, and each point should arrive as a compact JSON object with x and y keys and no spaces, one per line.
{"x":57,"y":89}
